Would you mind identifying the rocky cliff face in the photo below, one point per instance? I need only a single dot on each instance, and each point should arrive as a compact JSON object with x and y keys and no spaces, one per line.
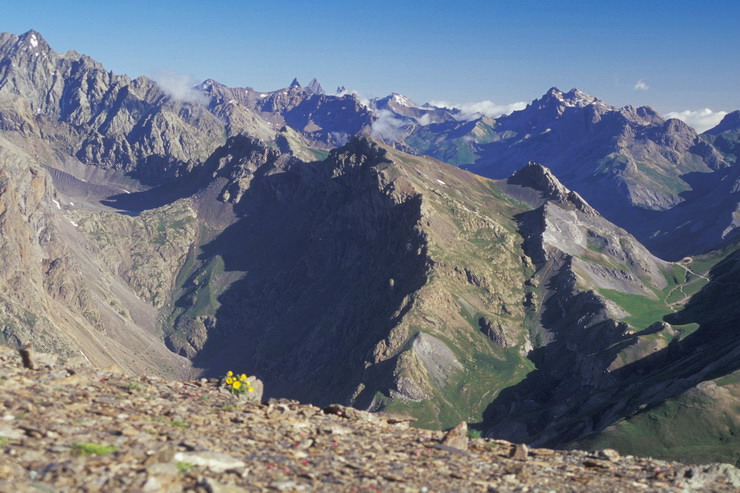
{"x":336,"y":279}
{"x":601,"y":354}
{"x":107,"y":120}
{"x":57,"y":294}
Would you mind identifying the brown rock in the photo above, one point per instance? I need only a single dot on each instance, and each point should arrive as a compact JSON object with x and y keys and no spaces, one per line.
{"x":596,"y":463}
{"x":519,"y":452}
{"x":457,"y":437}
{"x":609,"y":454}
{"x":163,"y":454}
{"x":26,"y":357}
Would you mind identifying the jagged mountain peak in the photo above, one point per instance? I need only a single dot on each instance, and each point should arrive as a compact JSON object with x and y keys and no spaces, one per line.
{"x":30,"y":42}
{"x":401,"y":99}
{"x":33,"y":38}
{"x":572,"y":98}
{"x":540,"y":178}
{"x":295,"y":83}
{"x":357,"y":152}
{"x":315,"y":87}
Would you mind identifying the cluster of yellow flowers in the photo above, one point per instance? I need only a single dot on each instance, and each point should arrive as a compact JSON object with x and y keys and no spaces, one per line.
{"x":239,"y":384}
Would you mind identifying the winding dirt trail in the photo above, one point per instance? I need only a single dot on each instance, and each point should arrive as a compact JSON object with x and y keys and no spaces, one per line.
{"x":681,"y":286}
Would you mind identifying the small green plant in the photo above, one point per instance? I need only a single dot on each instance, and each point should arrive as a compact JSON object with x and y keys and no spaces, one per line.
{"x":474,"y":433}
{"x":228,"y":407}
{"x":87,"y":448}
{"x":133,"y":387}
{"x":3,"y":441}
{"x":179,"y":424}
{"x":184,"y":467}
{"x":237,"y":385}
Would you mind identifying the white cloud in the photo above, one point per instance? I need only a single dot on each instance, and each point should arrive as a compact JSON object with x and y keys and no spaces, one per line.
{"x":179,"y":87}
{"x":641,"y":85}
{"x":473,"y":111}
{"x":387,"y":126}
{"x":426,"y":119}
{"x":700,"y":120}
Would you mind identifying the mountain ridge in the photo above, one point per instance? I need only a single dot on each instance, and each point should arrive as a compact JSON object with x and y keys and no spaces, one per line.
{"x":360,"y":273}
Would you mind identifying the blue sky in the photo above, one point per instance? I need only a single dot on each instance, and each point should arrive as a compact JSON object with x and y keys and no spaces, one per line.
{"x":686,"y":53}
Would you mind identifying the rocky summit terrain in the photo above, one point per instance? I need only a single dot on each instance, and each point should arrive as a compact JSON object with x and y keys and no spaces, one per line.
{"x":70,"y":427}
{"x":181,"y":235}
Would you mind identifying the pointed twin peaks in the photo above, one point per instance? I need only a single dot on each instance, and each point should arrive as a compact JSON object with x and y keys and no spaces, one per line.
{"x":313,"y":87}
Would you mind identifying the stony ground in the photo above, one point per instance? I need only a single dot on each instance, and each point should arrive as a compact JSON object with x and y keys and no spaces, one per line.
{"x":75,"y":428}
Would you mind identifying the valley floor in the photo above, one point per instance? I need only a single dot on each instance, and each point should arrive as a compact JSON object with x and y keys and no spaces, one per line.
{"x":79,"y":429}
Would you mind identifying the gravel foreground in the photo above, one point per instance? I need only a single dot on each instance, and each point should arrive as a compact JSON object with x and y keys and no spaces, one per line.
{"x":74,"y":428}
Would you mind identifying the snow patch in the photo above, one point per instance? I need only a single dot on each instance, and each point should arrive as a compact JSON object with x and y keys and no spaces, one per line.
{"x":403,"y":100}
{"x":34,"y":42}
{"x":441,"y":182}
{"x":56,"y":203}
{"x":74,"y":224}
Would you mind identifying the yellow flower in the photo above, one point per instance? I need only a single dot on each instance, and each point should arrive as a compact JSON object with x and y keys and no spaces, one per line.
{"x":236,"y":384}
{"x":229,"y":373}
{"x":250,"y":389}
{"x":242,"y":377}
{"x":229,"y":380}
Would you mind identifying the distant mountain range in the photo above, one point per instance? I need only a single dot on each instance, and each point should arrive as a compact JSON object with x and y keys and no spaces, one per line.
{"x":310,"y":239}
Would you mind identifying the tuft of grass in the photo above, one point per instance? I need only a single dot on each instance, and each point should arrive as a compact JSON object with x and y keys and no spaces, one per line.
{"x":474,"y":433}
{"x":228,"y":407}
{"x":87,"y":448}
{"x":3,"y":441}
{"x":184,"y":467}
{"x":180,"y":424}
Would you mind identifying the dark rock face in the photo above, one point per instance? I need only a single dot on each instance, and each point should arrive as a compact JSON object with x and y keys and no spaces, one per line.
{"x":541,"y":179}
{"x":730,"y":122}
{"x":306,"y":236}
{"x":495,"y":332}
